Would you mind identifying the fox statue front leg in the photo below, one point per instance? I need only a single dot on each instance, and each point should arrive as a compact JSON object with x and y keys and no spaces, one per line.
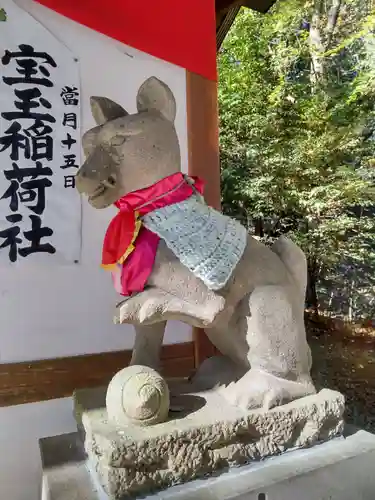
{"x":147,"y":345}
{"x":172,"y":292}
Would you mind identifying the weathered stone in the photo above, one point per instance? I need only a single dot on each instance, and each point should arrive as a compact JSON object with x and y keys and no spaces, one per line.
{"x":206,"y":435}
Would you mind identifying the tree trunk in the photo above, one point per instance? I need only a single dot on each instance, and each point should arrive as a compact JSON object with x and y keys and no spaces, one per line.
{"x":316,"y":44}
{"x":320,"y":37}
{"x":351,"y":314}
{"x":333,"y":15}
{"x":312,"y":299}
{"x":258,"y":228}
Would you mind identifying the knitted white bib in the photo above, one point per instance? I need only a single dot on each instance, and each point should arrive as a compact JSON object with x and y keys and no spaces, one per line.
{"x":207,"y":242}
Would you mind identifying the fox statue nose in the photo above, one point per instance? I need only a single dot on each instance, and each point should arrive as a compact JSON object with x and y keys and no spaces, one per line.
{"x":99,"y":167}
{"x":84,"y":178}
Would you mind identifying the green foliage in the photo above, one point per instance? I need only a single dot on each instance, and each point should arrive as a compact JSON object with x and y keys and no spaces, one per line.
{"x":297,"y":95}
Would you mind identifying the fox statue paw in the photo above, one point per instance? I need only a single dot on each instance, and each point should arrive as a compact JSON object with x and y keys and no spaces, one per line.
{"x":259,"y":389}
{"x":155,"y":305}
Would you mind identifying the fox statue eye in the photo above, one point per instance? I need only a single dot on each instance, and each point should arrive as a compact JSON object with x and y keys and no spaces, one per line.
{"x":118,"y":140}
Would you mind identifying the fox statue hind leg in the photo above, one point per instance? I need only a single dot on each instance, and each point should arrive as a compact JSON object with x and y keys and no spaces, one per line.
{"x":279,"y":356}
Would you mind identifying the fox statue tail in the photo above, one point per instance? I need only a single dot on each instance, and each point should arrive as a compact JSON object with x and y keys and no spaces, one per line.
{"x":294,"y":260}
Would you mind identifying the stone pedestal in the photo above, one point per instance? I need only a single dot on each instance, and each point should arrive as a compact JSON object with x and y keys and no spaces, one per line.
{"x":204,"y":435}
{"x":342,"y":469}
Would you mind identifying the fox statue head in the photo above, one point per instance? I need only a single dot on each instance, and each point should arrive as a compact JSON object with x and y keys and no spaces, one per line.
{"x":127,"y":152}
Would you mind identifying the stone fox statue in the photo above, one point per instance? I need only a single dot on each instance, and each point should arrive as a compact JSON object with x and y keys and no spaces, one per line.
{"x":205,"y":269}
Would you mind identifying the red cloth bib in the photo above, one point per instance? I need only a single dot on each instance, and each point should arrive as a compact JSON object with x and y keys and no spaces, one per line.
{"x":120,"y":238}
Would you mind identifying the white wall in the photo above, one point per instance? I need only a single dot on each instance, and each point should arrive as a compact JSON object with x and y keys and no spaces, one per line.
{"x":20,"y":428}
{"x":68,"y":310}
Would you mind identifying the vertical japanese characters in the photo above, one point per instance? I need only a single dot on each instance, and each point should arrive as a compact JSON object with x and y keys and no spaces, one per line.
{"x":70,"y":121}
{"x":31,"y":143}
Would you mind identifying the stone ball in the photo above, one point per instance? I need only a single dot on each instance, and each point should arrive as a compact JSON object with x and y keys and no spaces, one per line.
{"x":137,"y":395}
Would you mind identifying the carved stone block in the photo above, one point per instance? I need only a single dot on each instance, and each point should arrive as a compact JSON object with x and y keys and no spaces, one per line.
{"x":203,"y":435}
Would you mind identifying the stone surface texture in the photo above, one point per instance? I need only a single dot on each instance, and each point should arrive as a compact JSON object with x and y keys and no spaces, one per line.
{"x":203,"y":434}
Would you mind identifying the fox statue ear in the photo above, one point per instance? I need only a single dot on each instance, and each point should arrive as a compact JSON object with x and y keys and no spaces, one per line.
{"x":154,"y":95}
{"x":104,"y":110}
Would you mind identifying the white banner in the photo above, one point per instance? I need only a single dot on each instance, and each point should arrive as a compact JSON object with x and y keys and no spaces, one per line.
{"x":40,"y":149}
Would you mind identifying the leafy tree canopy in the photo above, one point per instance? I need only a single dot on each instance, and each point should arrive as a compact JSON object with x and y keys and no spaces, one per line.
{"x":296,"y":96}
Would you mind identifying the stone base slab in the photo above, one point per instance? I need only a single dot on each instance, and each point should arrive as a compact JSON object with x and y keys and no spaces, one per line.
{"x":341,"y":469}
{"x":202,"y":436}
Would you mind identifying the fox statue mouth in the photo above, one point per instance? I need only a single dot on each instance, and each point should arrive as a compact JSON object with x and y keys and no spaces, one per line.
{"x":100,"y":191}
{"x":103,"y":188}
{"x":98,"y":178}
